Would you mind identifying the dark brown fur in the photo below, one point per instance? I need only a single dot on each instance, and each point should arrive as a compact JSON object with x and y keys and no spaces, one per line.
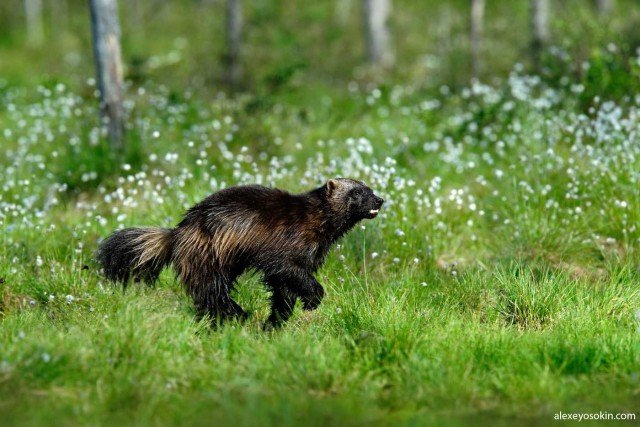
{"x":284,"y":236}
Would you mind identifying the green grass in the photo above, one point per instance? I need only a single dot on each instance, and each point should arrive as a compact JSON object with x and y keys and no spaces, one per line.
{"x":490,"y":298}
{"x":500,"y":284}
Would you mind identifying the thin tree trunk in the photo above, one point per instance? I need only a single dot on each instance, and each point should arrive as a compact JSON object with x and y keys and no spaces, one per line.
{"x":540,"y":27}
{"x":234,"y":42}
{"x":477,"y":17}
{"x":605,"y":7}
{"x":342,"y":10}
{"x":378,"y":37}
{"x":35,"y":27}
{"x":108,"y":59}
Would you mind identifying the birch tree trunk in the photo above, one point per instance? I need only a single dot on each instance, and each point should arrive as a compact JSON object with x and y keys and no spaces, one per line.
{"x":540,"y":27}
{"x":108,"y":59}
{"x":342,"y":11}
{"x":477,"y":17}
{"x":605,"y":7}
{"x":234,"y":42}
{"x":35,"y":28}
{"x":377,"y":35}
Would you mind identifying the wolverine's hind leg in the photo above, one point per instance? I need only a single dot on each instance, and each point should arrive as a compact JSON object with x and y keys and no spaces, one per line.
{"x":206,"y":277}
{"x":211,"y":293}
{"x":219,"y":307}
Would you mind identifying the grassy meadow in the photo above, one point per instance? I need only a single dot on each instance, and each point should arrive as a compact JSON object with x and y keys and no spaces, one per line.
{"x":500,"y":285}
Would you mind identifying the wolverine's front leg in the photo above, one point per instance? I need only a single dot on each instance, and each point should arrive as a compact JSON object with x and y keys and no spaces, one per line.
{"x":311,"y":293}
{"x":283,"y":302}
{"x":287,"y":288}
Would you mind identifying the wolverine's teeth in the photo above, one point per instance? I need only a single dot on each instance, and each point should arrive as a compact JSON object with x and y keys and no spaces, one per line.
{"x":374,"y":211}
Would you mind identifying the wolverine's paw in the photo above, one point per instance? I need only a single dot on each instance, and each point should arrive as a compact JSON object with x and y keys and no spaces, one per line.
{"x":312,"y":300}
{"x":273,"y":323}
{"x":269,"y":326}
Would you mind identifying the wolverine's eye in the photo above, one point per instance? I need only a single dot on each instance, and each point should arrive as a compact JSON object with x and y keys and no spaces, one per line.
{"x":357,"y":192}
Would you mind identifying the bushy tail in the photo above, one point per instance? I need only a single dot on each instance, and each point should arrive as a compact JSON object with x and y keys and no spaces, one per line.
{"x":140,"y":253}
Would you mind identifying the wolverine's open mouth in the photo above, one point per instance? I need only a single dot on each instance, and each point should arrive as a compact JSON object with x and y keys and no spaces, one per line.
{"x":373,"y":213}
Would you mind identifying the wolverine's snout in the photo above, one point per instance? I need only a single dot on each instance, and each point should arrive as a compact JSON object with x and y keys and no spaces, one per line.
{"x":377,"y":203}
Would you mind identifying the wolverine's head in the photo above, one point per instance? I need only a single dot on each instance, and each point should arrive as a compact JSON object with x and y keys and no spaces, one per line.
{"x":353,"y":198}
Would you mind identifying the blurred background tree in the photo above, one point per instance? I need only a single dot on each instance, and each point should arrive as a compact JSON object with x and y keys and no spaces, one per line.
{"x":105,"y":30}
{"x":376,"y":14}
{"x":266,"y":45}
{"x":604,"y":6}
{"x":34,"y":21}
{"x":477,"y":18}
{"x":540,"y":30}
{"x":234,"y":42}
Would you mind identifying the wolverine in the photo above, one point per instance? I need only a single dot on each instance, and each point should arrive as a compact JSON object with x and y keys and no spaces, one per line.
{"x":281,"y":235}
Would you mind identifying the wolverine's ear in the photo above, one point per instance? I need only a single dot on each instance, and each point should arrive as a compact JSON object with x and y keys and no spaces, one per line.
{"x":332,"y":185}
